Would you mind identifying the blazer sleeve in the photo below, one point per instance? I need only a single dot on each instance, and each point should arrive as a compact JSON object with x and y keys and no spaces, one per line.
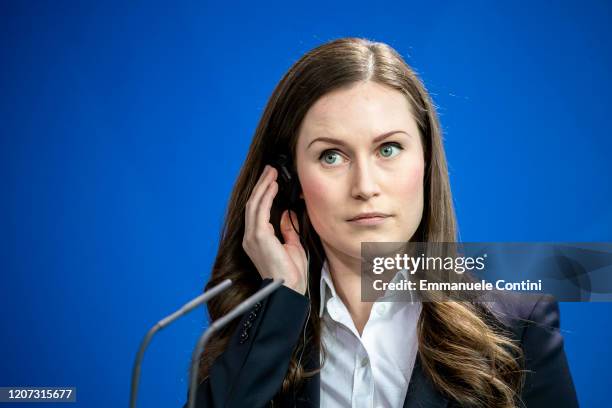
{"x":548,"y":381}
{"x":251,"y":370}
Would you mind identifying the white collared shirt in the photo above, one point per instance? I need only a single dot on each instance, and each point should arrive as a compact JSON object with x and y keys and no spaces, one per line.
{"x":372,"y":370}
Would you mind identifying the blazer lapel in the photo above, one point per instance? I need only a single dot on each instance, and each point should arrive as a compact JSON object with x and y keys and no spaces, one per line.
{"x":421,"y":392}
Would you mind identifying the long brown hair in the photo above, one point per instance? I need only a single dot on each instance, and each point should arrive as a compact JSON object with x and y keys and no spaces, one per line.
{"x":468,"y":359}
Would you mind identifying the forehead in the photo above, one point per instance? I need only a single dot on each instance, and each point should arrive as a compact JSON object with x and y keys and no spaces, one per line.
{"x":363,"y":110}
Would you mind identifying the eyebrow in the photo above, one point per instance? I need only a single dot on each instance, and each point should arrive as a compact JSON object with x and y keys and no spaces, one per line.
{"x":342,"y":143}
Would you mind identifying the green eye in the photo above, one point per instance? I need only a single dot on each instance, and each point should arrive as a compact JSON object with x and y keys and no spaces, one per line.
{"x":332,"y":157}
{"x":386,"y":150}
{"x":329,"y":156}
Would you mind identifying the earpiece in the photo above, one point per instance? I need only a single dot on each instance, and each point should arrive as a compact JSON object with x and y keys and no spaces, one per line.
{"x":288,"y":197}
{"x":289,"y":186}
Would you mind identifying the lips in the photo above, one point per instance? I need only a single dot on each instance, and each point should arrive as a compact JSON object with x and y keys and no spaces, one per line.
{"x":367,"y":215}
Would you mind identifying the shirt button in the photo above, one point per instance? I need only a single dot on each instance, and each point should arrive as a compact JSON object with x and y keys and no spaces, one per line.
{"x":364,"y":362}
{"x":381,"y":309}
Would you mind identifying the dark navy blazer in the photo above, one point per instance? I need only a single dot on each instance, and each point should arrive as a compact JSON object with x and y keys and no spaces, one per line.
{"x":249,"y":373}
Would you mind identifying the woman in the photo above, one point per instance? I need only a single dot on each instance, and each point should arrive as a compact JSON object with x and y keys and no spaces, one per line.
{"x":364,"y":145}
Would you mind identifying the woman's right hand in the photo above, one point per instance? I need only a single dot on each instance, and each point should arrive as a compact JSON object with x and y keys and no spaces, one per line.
{"x":272,"y":258}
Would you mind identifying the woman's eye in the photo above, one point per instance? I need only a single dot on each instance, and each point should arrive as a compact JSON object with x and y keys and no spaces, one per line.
{"x":329,"y":157}
{"x":386,"y":150}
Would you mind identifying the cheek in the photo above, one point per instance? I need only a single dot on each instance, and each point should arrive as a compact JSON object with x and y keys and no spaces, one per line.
{"x":314,"y":190}
{"x":320,"y":201}
{"x":409,"y":192}
{"x":411,"y":185}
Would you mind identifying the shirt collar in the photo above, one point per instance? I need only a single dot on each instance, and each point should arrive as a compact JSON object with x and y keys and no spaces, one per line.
{"x":326,"y":284}
{"x":327,"y":290}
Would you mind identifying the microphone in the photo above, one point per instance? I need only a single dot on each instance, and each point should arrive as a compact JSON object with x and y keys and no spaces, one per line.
{"x":188,"y":307}
{"x":218,"y":324}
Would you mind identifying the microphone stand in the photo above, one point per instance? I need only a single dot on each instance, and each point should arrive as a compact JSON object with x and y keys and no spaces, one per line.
{"x":188,"y":307}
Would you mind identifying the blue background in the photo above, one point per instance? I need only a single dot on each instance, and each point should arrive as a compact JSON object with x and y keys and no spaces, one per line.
{"x":124,"y":126}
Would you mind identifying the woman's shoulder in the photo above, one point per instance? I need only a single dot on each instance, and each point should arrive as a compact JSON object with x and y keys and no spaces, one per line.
{"x":535,"y":323}
{"x":519,"y":311}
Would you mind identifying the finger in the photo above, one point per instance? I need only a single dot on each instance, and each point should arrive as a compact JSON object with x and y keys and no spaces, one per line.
{"x":289,"y":234}
{"x":265,"y":205}
{"x":253,"y":203}
{"x":260,"y":187}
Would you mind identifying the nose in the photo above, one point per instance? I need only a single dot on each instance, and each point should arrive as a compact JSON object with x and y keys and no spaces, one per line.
{"x":364,"y":181}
